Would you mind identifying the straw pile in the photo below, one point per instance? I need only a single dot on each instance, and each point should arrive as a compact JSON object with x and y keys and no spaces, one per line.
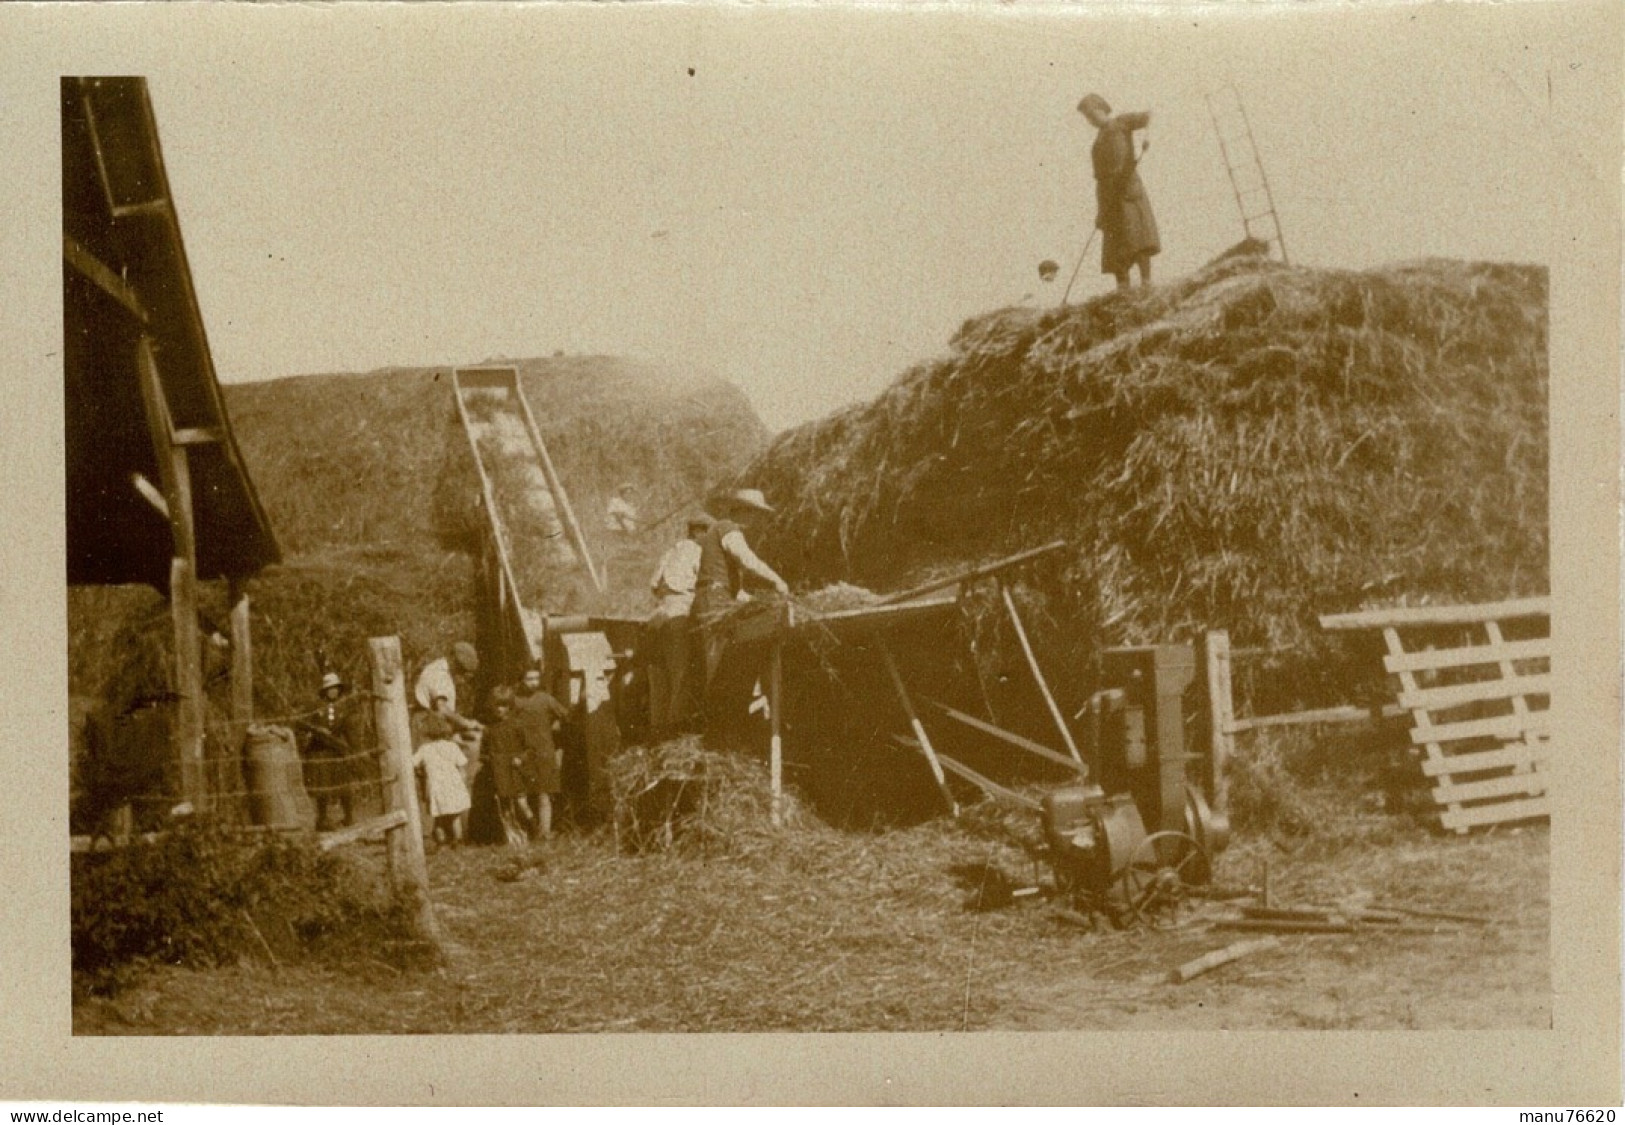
{"x":679,"y":796}
{"x":1245,"y":448}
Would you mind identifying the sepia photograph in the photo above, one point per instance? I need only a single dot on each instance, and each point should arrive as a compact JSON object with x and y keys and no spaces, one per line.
{"x":621,"y":522}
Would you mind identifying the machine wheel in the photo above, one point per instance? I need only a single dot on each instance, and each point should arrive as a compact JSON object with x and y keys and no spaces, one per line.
{"x":1157,"y":879}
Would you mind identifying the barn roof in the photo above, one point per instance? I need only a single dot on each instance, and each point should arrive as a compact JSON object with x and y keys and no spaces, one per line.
{"x":125,"y":278}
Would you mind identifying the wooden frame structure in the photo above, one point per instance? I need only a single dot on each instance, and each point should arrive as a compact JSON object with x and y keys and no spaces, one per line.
{"x":144,"y":403}
{"x":1481,"y":708}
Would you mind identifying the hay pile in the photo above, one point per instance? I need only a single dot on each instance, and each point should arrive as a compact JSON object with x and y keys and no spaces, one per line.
{"x":1245,"y":448}
{"x":680,"y":797}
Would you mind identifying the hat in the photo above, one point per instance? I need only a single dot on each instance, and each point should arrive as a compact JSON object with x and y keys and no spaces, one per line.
{"x":466,"y":658}
{"x":749,"y":498}
{"x":701,"y":520}
{"x":333,"y":680}
{"x":1096,"y":104}
{"x":1047,"y":269}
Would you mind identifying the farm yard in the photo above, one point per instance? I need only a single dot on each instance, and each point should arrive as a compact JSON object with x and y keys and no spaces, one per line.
{"x":1157,"y":570}
{"x":827,"y":931}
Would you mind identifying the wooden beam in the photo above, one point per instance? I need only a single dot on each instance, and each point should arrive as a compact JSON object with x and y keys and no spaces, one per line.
{"x":775,"y":699}
{"x":1221,"y":714}
{"x":188,"y":734}
{"x":150,"y":493}
{"x":408,"y":868}
{"x":1008,"y":737}
{"x":914,"y":723}
{"x":1038,"y":678}
{"x":1439,"y":614}
{"x":973,"y":573}
{"x":242,"y":658}
{"x":377,"y":826}
{"x":173,"y":466}
{"x":103,"y":277}
{"x":1345,"y":714}
{"x":198,"y":435}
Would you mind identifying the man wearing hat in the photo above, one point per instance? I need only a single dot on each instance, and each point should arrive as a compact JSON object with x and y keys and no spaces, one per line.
{"x":437,"y":685}
{"x":669,"y":649}
{"x":334,"y":751}
{"x":1122,"y":210}
{"x":727,"y":566}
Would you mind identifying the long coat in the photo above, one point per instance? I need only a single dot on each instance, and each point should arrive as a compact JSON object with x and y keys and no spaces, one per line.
{"x":336,"y":752}
{"x":1122,"y":210}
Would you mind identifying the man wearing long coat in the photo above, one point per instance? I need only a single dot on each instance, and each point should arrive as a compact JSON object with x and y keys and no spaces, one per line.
{"x":1122,"y":209}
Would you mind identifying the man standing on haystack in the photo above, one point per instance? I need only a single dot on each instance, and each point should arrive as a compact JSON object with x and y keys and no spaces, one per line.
{"x":673,"y":587}
{"x":1122,"y":211}
{"x":727,"y":565}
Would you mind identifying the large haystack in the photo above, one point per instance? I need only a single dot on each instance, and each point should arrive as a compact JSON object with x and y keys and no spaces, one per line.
{"x":1246,"y":448}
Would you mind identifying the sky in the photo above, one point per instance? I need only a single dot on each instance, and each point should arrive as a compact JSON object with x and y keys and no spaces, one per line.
{"x":803,"y":202}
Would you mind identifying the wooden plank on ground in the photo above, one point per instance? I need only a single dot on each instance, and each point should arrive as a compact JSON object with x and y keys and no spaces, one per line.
{"x":1498,"y":813}
{"x":1438,"y":614}
{"x":1431,"y":659}
{"x":1454,"y":695}
{"x":377,"y":826}
{"x":1513,"y":785}
{"x":1512,"y":755}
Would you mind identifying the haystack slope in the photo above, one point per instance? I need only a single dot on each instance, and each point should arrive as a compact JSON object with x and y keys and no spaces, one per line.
{"x":368,"y":480}
{"x":1244,"y":448}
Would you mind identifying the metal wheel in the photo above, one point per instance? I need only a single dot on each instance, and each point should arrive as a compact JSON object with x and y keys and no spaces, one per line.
{"x":1154,"y":884}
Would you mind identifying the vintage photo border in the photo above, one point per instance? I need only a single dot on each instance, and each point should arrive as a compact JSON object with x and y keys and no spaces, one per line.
{"x":1574,"y":1064}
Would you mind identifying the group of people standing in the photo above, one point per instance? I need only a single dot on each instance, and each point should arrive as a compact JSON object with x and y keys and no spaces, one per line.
{"x":512,"y":761}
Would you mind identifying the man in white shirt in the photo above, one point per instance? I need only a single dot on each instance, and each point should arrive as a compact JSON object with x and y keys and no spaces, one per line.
{"x":436,"y":687}
{"x":669,"y":651}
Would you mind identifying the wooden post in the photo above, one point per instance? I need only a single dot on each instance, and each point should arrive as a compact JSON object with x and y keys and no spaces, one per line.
{"x":174,"y":471}
{"x":1038,"y":677}
{"x":918,"y":727}
{"x":775,"y":697}
{"x":188,"y":732}
{"x":408,"y":868}
{"x":1221,"y":715}
{"x":242,"y":660}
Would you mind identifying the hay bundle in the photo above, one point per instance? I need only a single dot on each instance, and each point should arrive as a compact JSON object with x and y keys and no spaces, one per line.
{"x":1245,"y":448}
{"x":679,"y":796}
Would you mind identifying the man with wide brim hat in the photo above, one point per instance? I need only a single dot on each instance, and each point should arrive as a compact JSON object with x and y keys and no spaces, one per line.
{"x":1123,"y":215}
{"x":728,"y":567}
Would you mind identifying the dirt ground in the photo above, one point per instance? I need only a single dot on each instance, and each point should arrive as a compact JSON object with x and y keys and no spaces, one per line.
{"x":862,"y":933}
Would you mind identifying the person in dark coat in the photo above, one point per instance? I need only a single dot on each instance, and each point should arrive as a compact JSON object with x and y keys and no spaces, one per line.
{"x":334,"y":751}
{"x":1122,"y":210}
{"x":536,"y":711}
{"x":727,"y":570}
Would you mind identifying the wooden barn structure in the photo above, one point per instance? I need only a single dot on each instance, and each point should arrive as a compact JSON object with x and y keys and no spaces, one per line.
{"x":157,"y":492}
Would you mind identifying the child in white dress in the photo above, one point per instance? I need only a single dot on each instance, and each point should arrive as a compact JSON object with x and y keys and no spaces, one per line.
{"x":442,"y":762}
